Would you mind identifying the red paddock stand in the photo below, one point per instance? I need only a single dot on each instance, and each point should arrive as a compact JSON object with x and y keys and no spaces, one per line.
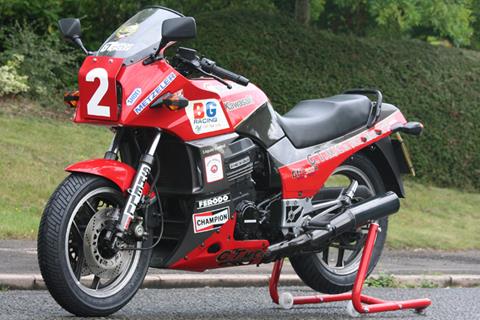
{"x":359,"y":302}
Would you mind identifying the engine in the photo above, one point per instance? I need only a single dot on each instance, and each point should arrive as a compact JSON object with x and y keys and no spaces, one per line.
{"x":245,"y":168}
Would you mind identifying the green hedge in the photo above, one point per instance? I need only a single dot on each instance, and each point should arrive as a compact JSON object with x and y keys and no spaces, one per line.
{"x":437,"y":86}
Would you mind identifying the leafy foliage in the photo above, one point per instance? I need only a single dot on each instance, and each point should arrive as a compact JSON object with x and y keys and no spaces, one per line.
{"x":11,"y":82}
{"x":391,"y":18}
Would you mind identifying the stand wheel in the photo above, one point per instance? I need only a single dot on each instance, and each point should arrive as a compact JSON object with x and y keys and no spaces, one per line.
{"x":351,"y":310}
{"x":285,"y":300}
{"x":421,"y":311}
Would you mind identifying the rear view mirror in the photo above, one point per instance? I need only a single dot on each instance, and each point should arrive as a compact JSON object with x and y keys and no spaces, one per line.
{"x":70,"y":28}
{"x":72,"y":31}
{"x":178,"y":29}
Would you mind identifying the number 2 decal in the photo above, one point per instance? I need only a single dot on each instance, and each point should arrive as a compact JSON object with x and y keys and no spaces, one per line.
{"x":93,"y":106}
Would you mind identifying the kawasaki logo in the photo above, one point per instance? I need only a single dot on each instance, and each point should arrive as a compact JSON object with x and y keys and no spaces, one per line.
{"x":206,"y":203}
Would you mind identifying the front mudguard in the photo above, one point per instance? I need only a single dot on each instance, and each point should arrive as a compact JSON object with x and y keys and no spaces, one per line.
{"x":118,"y":172}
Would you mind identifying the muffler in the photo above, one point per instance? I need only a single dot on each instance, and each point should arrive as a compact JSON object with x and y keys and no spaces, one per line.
{"x":352,"y":218}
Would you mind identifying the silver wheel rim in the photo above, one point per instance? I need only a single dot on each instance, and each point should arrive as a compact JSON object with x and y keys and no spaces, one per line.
{"x":90,"y":284}
{"x":352,"y":261}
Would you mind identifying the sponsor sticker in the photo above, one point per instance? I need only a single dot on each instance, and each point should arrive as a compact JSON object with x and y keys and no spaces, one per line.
{"x":233,"y":105}
{"x":134,"y":96}
{"x":239,"y":163}
{"x":155,"y":92}
{"x":116,"y":46}
{"x":214,"y":167}
{"x":206,"y":116}
{"x":215,"y":201}
{"x":210,"y":220}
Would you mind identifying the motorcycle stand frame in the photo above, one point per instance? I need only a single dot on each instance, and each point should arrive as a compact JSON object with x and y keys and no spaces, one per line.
{"x":358,"y":303}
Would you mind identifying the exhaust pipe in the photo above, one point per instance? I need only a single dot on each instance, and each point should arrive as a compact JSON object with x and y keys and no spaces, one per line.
{"x":352,"y":218}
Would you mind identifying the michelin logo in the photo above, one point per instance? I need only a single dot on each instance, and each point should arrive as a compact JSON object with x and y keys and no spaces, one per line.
{"x":162,"y":86}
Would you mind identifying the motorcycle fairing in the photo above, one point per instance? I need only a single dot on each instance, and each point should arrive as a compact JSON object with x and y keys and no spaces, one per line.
{"x":230,"y":251}
{"x":213,"y":109}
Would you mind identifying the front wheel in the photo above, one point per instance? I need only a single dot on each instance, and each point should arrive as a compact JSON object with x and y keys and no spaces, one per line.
{"x":80,"y":269}
{"x":334,"y":270}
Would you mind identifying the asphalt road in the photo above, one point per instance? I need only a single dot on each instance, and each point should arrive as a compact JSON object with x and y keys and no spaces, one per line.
{"x":242,"y":303}
{"x":19,"y":256}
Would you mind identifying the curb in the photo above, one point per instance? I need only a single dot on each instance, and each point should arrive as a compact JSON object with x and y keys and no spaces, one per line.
{"x":164,"y":281}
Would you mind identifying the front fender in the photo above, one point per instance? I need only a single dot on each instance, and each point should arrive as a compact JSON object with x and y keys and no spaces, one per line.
{"x":118,"y":172}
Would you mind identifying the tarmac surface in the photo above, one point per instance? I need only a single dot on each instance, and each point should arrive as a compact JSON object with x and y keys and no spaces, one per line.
{"x":243,"y":303}
{"x":20,"y":257}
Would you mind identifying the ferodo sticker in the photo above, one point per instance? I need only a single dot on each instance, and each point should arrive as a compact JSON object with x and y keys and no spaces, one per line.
{"x":214,"y":167}
{"x":210,"y":220}
{"x":206,"y":116}
{"x":212,"y":202}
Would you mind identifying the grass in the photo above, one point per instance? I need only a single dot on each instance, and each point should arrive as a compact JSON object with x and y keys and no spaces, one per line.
{"x":436,"y":218}
{"x":382,"y":281}
{"x":389,"y":281}
{"x":35,"y":151}
{"x":33,"y":154}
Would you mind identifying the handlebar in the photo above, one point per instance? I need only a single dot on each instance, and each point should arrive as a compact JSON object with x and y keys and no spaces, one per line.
{"x":210,"y":67}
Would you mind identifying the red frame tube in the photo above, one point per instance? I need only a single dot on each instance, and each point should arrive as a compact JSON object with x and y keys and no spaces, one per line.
{"x":362,"y":303}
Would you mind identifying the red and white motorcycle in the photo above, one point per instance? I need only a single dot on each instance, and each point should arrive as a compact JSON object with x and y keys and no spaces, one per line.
{"x":202,"y":173}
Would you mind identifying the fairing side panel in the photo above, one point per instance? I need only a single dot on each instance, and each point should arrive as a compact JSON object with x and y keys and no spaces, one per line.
{"x":304,"y":171}
{"x":141,"y":85}
{"x":213,"y":108}
{"x":239,"y":101}
{"x":262,"y":126}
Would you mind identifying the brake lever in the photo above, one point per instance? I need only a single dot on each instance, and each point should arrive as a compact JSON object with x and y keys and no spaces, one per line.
{"x":229,"y":86}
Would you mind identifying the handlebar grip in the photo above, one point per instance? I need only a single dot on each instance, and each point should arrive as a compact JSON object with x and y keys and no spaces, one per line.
{"x":210,"y":66}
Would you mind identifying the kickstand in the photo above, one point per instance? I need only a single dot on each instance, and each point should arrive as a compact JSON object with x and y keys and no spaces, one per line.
{"x":358,"y":303}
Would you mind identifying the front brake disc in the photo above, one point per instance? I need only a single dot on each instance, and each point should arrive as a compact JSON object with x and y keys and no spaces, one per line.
{"x":106,"y":264}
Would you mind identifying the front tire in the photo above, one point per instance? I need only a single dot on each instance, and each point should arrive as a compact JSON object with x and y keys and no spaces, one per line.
{"x":319,"y":271}
{"x":61,"y":257}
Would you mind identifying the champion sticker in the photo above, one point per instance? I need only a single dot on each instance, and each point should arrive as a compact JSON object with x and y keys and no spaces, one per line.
{"x":133,"y":96}
{"x":206,"y":116}
{"x":210,"y":220}
{"x":214,"y":167}
{"x":149,"y":99}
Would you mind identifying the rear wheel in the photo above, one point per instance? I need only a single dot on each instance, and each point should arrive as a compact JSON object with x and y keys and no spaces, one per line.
{"x":334,"y":270}
{"x":81,"y":270}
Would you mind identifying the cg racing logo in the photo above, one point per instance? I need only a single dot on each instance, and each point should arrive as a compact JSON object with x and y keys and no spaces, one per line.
{"x":205,"y":113}
{"x":206,"y":116}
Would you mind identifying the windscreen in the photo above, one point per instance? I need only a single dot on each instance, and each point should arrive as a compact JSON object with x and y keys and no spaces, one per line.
{"x":139,"y":37}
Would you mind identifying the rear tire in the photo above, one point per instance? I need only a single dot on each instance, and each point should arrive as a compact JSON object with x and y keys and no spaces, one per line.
{"x":54,"y":243}
{"x":312,"y":268}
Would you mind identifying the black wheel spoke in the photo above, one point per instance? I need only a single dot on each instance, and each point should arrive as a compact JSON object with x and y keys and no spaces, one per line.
{"x":79,"y":265}
{"x":80,"y":234}
{"x":90,"y":207}
{"x":341,"y":253}
{"x":325,"y":254}
{"x":95,"y":283}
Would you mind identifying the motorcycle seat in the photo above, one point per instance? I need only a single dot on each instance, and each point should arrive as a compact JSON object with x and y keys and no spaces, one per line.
{"x":312,"y":122}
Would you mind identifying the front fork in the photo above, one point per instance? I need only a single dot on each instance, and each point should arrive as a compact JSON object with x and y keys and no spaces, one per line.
{"x":138,"y":183}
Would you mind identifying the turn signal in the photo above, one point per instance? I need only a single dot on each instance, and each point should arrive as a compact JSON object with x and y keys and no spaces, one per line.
{"x":71,"y":98}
